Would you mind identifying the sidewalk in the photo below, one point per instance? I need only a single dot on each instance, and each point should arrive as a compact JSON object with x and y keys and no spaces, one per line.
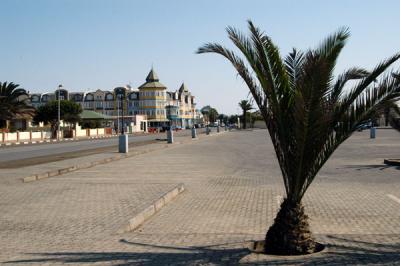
{"x":233,"y":191}
{"x":15,"y":175}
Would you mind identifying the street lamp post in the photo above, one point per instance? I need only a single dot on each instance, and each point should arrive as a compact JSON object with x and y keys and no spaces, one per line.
{"x":59,"y":112}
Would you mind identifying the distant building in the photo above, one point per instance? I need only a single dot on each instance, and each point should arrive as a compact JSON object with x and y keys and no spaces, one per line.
{"x":161,"y":107}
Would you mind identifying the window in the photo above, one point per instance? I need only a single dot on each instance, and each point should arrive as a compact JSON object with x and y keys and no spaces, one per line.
{"x":89,"y":97}
{"x":35,"y":98}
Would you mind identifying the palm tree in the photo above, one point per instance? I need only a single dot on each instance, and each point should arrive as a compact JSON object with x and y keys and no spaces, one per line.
{"x":308,"y":115}
{"x":246,"y":106}
{"x":394,"y":117}
{"x":13,"y":101}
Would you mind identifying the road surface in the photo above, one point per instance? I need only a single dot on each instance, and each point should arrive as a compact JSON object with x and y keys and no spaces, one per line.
{"x":18,"y":156}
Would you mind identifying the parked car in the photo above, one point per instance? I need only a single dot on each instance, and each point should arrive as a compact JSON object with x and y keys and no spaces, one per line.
{"x":176,"y":128}
{"x":152,"y":130}
{"x":366,"y":126}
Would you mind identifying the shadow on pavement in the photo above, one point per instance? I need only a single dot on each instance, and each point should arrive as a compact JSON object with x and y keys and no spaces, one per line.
{"x":371,"y":166}
{"x":169,"y":255}
{"x":342,"y":250}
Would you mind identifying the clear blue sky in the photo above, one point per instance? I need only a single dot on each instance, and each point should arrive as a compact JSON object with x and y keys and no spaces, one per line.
{"x":102,"y":44}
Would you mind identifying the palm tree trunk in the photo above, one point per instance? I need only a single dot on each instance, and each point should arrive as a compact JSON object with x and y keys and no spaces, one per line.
{"x":244,"y":119}
{"x":290,"y":234}
{"x":53,"y":128}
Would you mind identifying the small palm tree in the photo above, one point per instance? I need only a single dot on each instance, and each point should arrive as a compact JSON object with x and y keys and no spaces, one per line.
{"x":246,"y":106}
{"x":308,"y":115}
{"x":13,"y":101}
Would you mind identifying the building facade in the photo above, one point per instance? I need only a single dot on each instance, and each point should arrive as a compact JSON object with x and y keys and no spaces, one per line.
{"x":161,"y":107}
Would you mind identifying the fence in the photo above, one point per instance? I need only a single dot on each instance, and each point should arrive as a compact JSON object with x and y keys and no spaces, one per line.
{"x":24,"y":136}
{"x":43,"y":135}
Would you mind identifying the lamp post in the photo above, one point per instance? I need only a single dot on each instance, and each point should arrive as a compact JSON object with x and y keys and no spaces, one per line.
{"x":59,"y":112}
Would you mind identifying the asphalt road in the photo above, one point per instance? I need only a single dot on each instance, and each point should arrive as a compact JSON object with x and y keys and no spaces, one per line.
{"x":20,"y":153}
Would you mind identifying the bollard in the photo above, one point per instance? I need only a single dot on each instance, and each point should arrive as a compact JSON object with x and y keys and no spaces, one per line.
{"x":194,"y":133}
{"x":170,"y":136}
{"x":207,"y":130}
{"x":226,"y":128}
{"x":123,"y":144}
{"x":218,"y":129}
{"x":372,"y":132}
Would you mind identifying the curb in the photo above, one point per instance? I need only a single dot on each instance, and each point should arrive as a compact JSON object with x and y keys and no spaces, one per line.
{"x":152,"y":209}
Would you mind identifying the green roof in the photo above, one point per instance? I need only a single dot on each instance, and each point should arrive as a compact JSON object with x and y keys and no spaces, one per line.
{"x":152,"y":81}
{"x":91,"y":115}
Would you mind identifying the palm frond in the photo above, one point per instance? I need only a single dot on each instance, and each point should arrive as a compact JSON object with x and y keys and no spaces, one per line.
{"x":350,"y":74}
{"x":366,"y":81}
{"x":306,"y":111}
{"x":239,"y":65}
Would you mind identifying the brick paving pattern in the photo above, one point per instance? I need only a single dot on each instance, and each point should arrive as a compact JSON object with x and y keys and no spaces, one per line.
{"x":233,"y":190}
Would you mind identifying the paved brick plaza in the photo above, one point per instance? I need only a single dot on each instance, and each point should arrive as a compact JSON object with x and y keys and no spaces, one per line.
{"x":233,"y":190}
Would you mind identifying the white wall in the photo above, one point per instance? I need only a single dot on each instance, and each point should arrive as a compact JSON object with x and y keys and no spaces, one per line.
{"x":11,"y":136}
{"x":36,"y":135}
{"x":24,"y":135}
{"x":92,"y":132}
{"x":47,"y":135}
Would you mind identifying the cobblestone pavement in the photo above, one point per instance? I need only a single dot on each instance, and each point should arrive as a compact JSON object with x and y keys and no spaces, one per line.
{"x":14,"y":174}
{"x":233,"y":190}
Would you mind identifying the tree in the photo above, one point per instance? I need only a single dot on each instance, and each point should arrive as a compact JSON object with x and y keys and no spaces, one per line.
{"x":213,"y":115}
{"x":233,"y":119}
{"x":13,"y":101}
{"x":96,"y":123}
{"x":205,"y":111}
{"x":223,"y":118}
{"x":48,"y":113}
{"x":210,"y":114}
{"x":246,"y":106}
{"x":308,"y":114}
